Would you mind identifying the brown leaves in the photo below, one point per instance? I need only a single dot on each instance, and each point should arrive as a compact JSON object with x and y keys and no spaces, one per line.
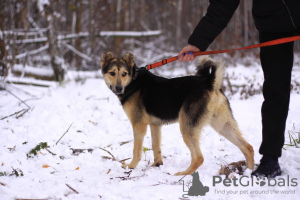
{"x":234,"y":167}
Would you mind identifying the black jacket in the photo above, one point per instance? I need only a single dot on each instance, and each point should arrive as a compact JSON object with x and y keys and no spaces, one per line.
{"x":269,"y":16}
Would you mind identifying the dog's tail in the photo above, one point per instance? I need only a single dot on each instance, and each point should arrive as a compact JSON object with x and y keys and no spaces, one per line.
{"x":211,"y":69}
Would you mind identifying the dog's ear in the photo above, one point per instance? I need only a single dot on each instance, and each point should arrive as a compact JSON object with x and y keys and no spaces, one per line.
{"x":129,"y":59}
{"x":106,"y":58}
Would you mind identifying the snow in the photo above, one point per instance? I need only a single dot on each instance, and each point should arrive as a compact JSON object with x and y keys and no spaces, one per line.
{"x":130,"y":33}
{"x":96,"y":120}
{"x":41,"y":4}
{"x":34,"y":70}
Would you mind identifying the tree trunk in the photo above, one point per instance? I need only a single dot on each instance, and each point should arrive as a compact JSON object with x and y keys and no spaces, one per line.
{"x":92,"y":27}
{"x":179,"y":25}
{"x":118,"y":40}
{"x":78,"y":30}
{"x":53,"y":50}
{"x":2,"y":40}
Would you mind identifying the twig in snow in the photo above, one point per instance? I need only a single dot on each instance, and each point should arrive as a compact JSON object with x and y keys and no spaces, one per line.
{"x":50,"y":152}
{"x":25,"y":111}
{"x":122,"y":143}
{"x":64,"y":134}
{"x":122,"y":161}
{"x":72,"y":189}
{"x":76,"y":152}
{"x":18,"y":98}
{"x":38,"y":199}
{"x":113,"y":157}
{"x":13,"y":114}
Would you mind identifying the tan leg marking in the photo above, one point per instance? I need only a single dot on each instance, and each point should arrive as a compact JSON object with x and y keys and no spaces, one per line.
{"x":156,"y":143}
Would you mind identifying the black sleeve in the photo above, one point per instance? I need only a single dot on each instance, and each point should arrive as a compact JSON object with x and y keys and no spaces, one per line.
{"x":219,"y":12}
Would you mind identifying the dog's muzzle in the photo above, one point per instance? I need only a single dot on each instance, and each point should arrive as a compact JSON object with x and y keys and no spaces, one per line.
{"x":118,"y":89}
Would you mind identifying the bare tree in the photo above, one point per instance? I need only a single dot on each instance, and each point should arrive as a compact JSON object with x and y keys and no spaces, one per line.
{"x":56,"y":62}
{"x":78,"y":30}
{"x":2,"y":39}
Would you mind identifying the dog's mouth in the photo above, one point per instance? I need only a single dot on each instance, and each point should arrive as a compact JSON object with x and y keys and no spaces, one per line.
{"x":117,"y":89}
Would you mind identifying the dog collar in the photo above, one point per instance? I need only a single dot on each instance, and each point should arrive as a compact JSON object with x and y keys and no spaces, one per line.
{"x":136,"y":73}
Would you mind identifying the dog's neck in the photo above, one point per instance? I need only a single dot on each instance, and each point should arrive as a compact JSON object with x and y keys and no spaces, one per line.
{"x":137,"y":73}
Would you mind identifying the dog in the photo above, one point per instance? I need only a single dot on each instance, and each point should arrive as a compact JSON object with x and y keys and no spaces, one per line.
{"x":193,"y":101}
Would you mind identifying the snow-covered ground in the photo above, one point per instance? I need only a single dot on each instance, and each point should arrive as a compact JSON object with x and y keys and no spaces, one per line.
{"x":92,"y":118}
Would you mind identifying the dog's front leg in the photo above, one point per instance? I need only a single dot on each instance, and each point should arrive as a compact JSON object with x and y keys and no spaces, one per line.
{"x":156,"y":142}
{"x":139,"y":131}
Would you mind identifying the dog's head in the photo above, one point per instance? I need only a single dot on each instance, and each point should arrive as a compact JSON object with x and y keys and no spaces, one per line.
{"x":117,"y":72}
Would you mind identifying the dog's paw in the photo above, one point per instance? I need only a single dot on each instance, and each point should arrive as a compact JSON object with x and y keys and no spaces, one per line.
{"x":125,"y":166}
{"x":157,"y":164}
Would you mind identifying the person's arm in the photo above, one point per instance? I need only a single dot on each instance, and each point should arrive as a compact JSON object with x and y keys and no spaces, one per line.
{"x":219,"y":13}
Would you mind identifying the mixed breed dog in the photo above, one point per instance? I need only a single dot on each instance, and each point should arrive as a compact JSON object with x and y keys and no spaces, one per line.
{"x":193,"y":101}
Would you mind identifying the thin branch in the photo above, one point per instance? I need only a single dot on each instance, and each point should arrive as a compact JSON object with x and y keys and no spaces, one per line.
{"x":25,"y":111}
{"x":86,"y":34}
{"x":36,"y":51}
{"x":18,"y":98}
{"x":72,"y":189}
{"x":122,"y":143}
{"x":13,"y":114}
{"x":121,"y":161}
{"x":77,"y":52}
{"x":64,"y":134}
{"x":50,"y":152}
{"x":114,"y":159}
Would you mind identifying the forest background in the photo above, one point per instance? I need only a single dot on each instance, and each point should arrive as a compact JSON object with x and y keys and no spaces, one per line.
{"x":72,"y":34}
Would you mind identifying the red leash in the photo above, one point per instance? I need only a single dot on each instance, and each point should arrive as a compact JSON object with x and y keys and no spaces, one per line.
{"x":198,"y":53}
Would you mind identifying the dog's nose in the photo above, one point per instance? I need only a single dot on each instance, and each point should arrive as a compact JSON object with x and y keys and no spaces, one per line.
{"x":119,"y":89}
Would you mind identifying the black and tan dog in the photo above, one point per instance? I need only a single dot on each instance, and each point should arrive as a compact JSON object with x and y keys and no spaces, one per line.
{"x":194,"y":101}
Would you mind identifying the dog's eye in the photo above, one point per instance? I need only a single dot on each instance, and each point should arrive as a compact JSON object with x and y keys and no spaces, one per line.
{"x":112,"y":73}
{"x":124,"y":74}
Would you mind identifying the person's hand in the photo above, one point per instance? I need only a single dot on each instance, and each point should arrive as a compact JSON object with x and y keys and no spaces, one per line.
{"x":186,"y":54}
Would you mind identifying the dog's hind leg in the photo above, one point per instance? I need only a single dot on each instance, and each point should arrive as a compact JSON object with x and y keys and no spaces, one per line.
{"x":191,"y":139}
{"x":139,"y":131}
{"x":224,"y":124}
{"x":191,"y":134}
{"x":156,"y":143}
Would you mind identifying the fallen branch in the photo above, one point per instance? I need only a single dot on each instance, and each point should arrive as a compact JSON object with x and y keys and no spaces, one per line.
{"x":77,"y":52}
{"x":50,"y":152}
{"x":72,"y":189}
{"x":27,"y":81}
{"x":122,"y":143}
{"x":39,"y":199}
{"x":64,"y":134}
{"x":12,"y":114}
{"x":25,"y":111}
{"x":78,"y":151}
{"x":122,"y":161}
{"x":18,"y":98}
{"x":36,"y":51}
{"x":86,"y":34}
{"x":113,"y":157}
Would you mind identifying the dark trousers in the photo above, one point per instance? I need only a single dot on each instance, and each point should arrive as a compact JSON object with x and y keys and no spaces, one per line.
{"x":277,"y":64}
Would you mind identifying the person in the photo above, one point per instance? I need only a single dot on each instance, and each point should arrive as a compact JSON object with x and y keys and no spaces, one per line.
{"x":273,"y":19}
